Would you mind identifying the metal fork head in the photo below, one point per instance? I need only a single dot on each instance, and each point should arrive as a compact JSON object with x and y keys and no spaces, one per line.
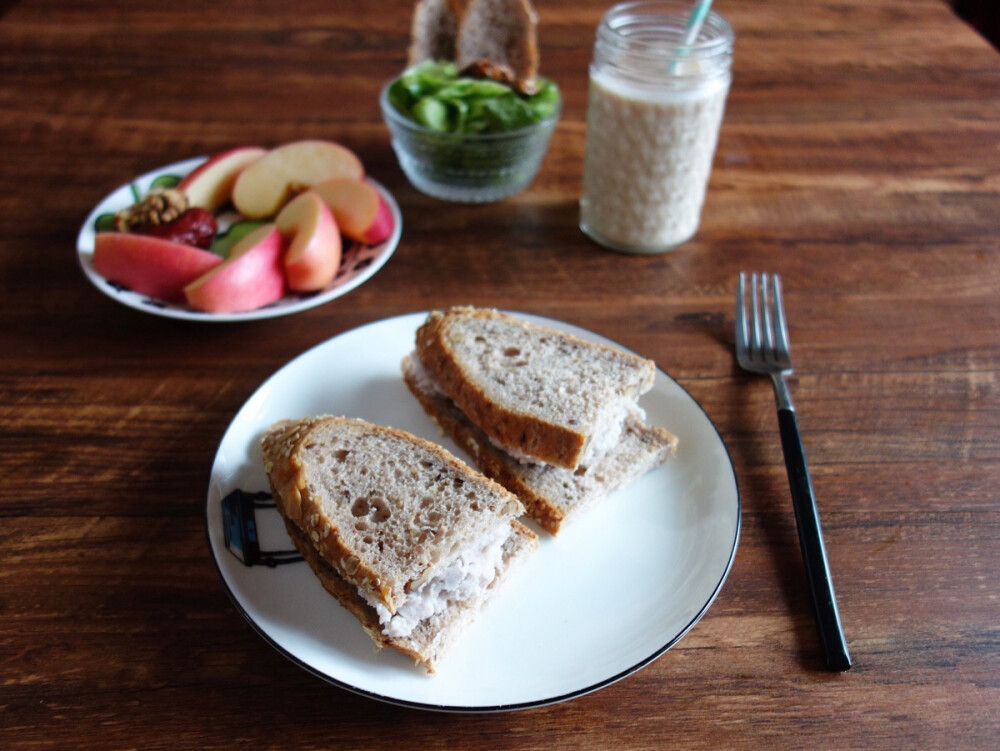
{"x":761,"y":330}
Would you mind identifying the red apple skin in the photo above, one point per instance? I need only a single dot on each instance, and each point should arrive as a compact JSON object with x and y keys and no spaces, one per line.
{"x":382,"y":227}
{"x":269,"y":183}
{"x":251,"y":277}
{"x":210,"y":186}
{"x":361,"y":212}
{"x":314,"y":245}
{"x":150,"y":265}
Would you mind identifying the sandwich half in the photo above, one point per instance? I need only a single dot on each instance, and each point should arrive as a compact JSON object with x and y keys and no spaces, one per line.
{"x":408,"y":538}
{"x":552,"y":417}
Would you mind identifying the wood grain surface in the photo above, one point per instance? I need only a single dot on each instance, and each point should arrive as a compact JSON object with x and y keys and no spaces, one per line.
{"x":858,"y":158}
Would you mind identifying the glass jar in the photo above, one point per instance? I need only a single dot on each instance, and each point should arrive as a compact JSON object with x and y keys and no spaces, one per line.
{"x":655,"y":107}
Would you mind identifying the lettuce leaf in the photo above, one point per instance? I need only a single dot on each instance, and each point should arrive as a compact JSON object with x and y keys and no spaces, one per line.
{"x":433,"y":95}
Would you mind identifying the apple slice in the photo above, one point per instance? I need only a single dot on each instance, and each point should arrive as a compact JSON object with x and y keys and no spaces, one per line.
{"x":251,"y":277}
{"x":210,"y":186}
{"x":361,"y":212}
{"x":150,"y":265}
{"x":313,"y":256}
{"x":267,"y":184}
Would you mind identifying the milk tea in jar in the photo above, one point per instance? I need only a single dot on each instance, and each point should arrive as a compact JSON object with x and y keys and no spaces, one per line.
{"x":654,"y":110}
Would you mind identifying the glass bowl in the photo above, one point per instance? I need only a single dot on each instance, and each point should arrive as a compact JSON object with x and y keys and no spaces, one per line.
{"x":467,"y":167}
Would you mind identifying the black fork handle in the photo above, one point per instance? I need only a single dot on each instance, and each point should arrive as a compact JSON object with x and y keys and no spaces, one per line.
{"x":831,"y":633}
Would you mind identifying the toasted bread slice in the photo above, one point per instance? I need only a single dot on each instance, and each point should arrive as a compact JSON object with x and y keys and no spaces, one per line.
{"x":387,"y":513}
{"x":505,"y":32}
{"x":434,"y":30}
{"x":552,"y":495}
{"x":538,"y":393}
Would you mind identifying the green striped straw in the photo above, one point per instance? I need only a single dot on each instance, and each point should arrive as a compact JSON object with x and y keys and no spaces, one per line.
{"x":691,"y":29}
{"x":695,"y":20}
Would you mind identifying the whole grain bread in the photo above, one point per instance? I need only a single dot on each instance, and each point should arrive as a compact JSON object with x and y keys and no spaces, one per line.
{"x":552,"y":495}
{"x":502,"y":31}
{"x":387,"y":510}
{"x":535,"y":391}
{"x":434,"y":30}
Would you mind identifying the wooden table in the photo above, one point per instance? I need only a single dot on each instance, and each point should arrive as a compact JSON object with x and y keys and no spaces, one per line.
{"x":859,"y":158}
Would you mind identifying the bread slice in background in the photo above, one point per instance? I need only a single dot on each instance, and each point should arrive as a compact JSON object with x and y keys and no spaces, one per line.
{"x":538,"y":393}
{"x":378,"y":513}
{"x":505,"y":32}
{"x":434,"y":30}
{"x":552,"y":495}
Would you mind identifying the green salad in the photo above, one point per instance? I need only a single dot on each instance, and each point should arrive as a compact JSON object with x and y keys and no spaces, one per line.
{"x":435,"y":96}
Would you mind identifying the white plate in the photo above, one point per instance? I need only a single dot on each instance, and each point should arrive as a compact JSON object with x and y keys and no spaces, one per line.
{"x":618,"y":587}
{"x":360,"y":262}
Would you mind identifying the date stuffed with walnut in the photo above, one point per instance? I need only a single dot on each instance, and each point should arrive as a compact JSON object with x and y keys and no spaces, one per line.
{"x":165,"y":214}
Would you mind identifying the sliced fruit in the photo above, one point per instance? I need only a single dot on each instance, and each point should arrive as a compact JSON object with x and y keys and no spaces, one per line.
{"x":313,"y":256}
{"x":251,"y":277}
{"x":361,"y":212}
{"x":270,"y":182}
{"x":210,"y":186}
{"x":149,"y":265}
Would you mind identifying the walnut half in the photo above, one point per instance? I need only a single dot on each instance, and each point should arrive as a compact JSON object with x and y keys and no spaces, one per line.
{"x":159,"y":207}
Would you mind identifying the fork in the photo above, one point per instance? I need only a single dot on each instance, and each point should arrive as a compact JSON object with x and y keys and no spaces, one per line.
{"x":762,"y":347}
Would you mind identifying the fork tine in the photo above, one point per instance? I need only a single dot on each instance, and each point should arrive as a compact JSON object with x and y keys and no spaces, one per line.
{"x":741,"y":317}
{"x":755,"y":341}
{"x":765,"y":304}
{"x":781,"y":326}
